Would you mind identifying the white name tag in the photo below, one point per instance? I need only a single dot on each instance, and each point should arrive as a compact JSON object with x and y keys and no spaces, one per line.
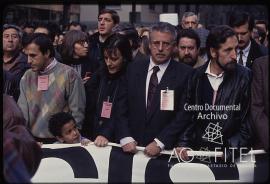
{"x":43,"y":82}
{"x":106,"y":110}
{"x":167,"y":100}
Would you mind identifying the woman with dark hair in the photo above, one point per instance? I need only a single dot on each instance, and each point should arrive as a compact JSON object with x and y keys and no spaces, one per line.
{"x":102,"y":89}
{"x":75,"y":53}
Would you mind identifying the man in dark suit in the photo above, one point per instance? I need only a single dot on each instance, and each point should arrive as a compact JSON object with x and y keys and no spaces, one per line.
{"x":260,"y":102}
{"x":152,"y":97}
{"x":248,"y":50}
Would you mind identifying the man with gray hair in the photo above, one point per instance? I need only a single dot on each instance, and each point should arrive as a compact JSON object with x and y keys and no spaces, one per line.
{"x":189,"y":20}
{"x":152,"y":95}
{"x":14,"y":61}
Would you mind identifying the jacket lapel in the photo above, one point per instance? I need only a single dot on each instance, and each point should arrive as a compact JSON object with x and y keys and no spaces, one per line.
{"x":141,"y":84}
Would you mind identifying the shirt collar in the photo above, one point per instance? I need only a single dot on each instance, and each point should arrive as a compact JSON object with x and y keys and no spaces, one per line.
{"x":162,"y":66}
{"x":245,"y":50}
{"x":49,"y":67}
{"x":212,"y":74}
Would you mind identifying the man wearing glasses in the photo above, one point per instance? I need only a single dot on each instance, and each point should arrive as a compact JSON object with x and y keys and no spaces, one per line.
{"x":152,"y":96}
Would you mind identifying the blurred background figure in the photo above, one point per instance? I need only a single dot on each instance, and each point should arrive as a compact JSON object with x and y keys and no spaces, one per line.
{"x":47,"y":29}
{"x":21,"y":153}
{"x":132,"y":35}
{"x":260,"y":102}
{"x":248,"y":50}
{"x":202,"y":33}
{"x":28,"y":28}
{"x":262,"y":28}
{"x":75,"y":26}
{"x":189,"y":20}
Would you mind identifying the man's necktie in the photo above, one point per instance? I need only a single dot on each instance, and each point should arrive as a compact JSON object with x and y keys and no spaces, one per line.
{"x":153,"y":83}
{"x":241,"y":58}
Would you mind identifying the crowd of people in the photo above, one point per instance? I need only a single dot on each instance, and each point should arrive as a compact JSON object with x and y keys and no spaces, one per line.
{"x":130,"y":85}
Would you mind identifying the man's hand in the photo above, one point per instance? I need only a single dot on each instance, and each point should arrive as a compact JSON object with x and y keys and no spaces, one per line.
{"x":85,"y":142}
{"x":182,"y":153}
{"x":101,"y":141}
{"x":152,"y":149}
{"x":86,"y":77}
{"x":130,"y":147}
{"x":40,"y":143}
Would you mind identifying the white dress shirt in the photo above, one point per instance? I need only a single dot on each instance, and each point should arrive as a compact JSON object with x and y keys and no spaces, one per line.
{"x":245,"y":54}
{"x":215,"y":80}
{"x":162,"y":68}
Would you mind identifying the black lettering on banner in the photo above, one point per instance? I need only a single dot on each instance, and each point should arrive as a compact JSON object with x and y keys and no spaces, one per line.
{"x":227,"y":172}
{"x":78,"y":158}
{"x":120,"y":166}
{"x":221,"y":170}
{"x":261,"y":169}
{"x":157,"y":170}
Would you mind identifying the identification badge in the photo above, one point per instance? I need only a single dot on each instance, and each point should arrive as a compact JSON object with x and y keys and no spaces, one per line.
{"x":43,"y":82}
{"x":167,"y":100}
{"x":106,"y":110}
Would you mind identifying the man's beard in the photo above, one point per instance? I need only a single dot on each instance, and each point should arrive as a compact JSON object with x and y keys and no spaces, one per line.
{"x":229,"y":67}
{"x":189,"y":60}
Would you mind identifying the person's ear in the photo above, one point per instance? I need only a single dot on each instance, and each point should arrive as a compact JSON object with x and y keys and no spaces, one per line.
{"x":213,"y":52}
{"x":48,"y":53}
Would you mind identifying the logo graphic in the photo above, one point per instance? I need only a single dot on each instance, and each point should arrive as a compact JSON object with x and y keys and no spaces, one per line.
{"x":204,"y":158}
{"x":213,"y":133}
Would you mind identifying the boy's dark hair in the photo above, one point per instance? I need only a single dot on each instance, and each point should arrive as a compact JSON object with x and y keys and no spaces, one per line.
{"x":57,"y":121}
{"x":43,"y":41}
{"x":115,"y":16}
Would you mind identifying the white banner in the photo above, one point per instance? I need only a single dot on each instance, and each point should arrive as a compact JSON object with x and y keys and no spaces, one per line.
{"x":75,"y":163}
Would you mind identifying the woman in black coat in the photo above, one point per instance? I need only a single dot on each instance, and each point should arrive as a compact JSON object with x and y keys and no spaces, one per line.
{"x":102,"y":89}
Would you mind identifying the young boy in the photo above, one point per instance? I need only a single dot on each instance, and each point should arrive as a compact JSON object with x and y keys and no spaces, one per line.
{"x":62,"y":126}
